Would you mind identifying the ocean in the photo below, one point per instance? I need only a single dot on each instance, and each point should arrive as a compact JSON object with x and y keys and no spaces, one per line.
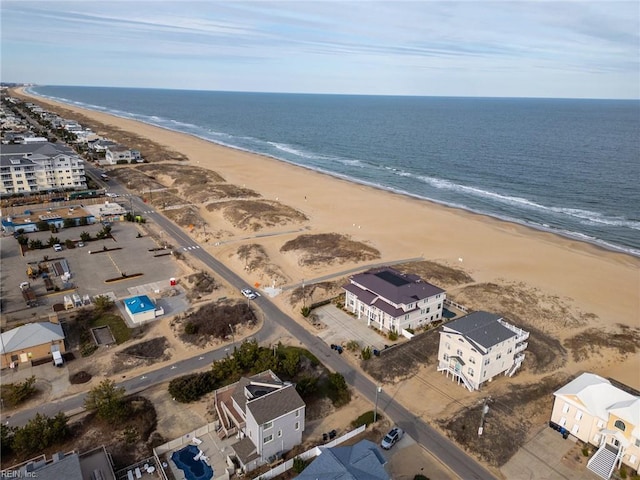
{"x":566,"y":166}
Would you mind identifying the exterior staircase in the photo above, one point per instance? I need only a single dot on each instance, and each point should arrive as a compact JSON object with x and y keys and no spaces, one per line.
{"x":603,"y":461}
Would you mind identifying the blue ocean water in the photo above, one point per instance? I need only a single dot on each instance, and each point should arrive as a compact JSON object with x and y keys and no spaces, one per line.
{"x":567,"y":166}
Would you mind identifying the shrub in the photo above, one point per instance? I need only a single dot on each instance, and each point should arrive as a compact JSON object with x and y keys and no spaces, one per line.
{"x":299,"y":464}
{"x":365,"y":419}
{"x":42,"y":225}
{"x":338,"y":390}
{"x":585,"y":451}
{"x":623,"y":472}
{"x":353,"y":345}
{"x":410,"y":330}
{"x":190,"y":328}
{"x":366,"y":353}
{"x":53,"y":240}
{"x":307,"y":386}
{"x":393,"y":336}
{"x":85,"y":236}
{"x":69,"y":244}
{"x":40,"y":433}
{"x":22,"y":240}
{"x":35,"y":244}
{"x":88,"y":349}
{"x":305,"y":311}
{"x":107,"y":400}
{"x":189,"y":388}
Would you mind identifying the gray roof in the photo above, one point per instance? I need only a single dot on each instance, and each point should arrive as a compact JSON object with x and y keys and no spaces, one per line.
{"x":5,"y":160}
{"x":275,"y":404}
{"x":267,"y":377}
{"x":482,"y":328}
{"x":67,"y":468}
{"x":30,"y":335}
{"x":362,"y":461}
{"x":245,"y":450}
{"x":396,"y":287}
{"x":45,"y":148}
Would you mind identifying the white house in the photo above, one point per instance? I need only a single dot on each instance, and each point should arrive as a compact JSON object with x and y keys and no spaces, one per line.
{"x":40,"y":167}
{"x":607,"y":416}
{"x":477,"y":347}
{"x":266,"y":413}
{"x":120,"y":153}
{"x":393,"y":301}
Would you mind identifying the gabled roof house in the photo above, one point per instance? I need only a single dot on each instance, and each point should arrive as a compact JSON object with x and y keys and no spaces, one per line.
{"x":477,"y":347}
{"x":30,"y":342}
{"x":266,"y":413}
{"x":392,"y":301}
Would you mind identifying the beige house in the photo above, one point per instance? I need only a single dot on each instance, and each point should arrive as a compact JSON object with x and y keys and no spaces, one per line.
{"x":30,"y":342}
{"x":595,"y":411}
{"x":479,"y":346}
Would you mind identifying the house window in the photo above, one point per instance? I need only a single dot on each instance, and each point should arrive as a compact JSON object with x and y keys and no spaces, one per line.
{"x":637,"y":443}
{"x":596,"y":439}
{"x":460,"y":340}
{"x":439,"y":306}
{"x":279,"y":433}
{"x":268,"y":425}
{"x":428,"y":309}
{"x":472,"y":360}
{"x":563,"y":422}
{"x":406,"y":317}
{"x":297,"y":413}
{"x":448,"y":346}
{"x":470,"y":371}
{"x":297,"y":425}
{"x":499,"y":356}
{"x":267,"y":439}
{"x":601,"y":425}
{"x":445,"y":357}
{"x":565,"y":409}
{"x":487,"y":361}
{"x":509,"y":351}
{"x":620,"y":425}
{"x":459,"y":353}
{"x":578,"y":415}
{"x":575,"y":429}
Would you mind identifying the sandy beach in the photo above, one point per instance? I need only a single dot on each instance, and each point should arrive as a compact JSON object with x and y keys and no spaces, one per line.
{"x":597,"y":285}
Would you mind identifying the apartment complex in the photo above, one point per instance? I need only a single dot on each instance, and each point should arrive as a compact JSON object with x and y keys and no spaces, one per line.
{"x":477,"y":347}
{"x":595,"y":411}
{"x":266,"y":413}
{"x":40,"y":167}
{"x":393,"y":301}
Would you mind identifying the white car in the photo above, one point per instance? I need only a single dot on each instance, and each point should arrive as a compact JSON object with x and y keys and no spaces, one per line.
{"x":250,"y":294}
{"x":112,"y":195}
{"x":391,"y":438}
{"x":57,"y":247}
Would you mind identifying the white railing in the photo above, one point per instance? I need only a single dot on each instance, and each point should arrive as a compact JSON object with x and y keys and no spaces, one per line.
{"x":451,"y":303}
{"x":520,"y":347}
{"x":312,"y":453}
{"x":521,"y":334}
{"x":456,"y":374}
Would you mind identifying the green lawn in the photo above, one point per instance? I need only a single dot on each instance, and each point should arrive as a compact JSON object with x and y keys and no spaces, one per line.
{"x":119,"y":329}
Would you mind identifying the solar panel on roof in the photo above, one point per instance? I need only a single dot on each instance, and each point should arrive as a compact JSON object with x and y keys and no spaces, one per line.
{"x":392,"y":278}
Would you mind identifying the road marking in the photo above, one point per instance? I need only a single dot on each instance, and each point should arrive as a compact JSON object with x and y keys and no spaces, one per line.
{"x":143,"y":377}
{"x":201,"y":358}
{"x":173,"y":367}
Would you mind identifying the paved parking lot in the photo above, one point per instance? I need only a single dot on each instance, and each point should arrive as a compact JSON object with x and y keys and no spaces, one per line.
{"x":341,"y":328}
{"x":88,"y":271}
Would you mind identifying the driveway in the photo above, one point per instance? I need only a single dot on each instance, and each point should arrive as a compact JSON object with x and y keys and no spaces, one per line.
{"x":341,"y":328}
{"x":548,"y":456}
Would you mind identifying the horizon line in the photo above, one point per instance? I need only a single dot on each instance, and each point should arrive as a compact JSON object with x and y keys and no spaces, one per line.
{"x":26,"y":84}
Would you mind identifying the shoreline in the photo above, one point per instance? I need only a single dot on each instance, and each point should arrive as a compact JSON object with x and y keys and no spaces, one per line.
{"x":604,"y":245}
{"x":591,"y":278}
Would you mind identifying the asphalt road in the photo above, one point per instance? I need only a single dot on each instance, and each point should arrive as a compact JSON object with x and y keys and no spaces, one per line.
{"x":441,"y":447}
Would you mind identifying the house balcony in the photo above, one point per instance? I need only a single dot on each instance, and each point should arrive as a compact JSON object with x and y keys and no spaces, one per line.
{"x":456,"y":374}
{"x":521,"y":347}
{"x":521,"y":335}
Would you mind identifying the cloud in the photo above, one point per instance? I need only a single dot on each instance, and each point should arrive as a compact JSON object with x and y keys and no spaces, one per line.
{"x":341,"y":38}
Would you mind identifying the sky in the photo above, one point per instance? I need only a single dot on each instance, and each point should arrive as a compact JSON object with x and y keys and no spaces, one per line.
{"x":509,"y":48}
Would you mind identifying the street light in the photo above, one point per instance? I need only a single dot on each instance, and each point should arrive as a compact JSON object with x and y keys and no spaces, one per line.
{"x":375,"y":411}
{"x":233,"y":337}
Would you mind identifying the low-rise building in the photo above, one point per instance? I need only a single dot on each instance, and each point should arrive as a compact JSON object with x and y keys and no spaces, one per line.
{"x":602,"y":414}
{"x":267,"y":414}
{"x":120,"y":154}
{"x":479,"y":346}
{"x":141,"y":309}
{"x":32,"y":341}
{"x":393,"y":301}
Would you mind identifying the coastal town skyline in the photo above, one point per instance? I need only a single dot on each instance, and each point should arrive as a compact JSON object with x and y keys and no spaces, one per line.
{"x":501,"y":49}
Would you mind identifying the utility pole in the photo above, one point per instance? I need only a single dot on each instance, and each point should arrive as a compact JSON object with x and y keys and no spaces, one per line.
{"x":233,"y":337}
{"x":375,"y":410}
{"x":485,"y":409}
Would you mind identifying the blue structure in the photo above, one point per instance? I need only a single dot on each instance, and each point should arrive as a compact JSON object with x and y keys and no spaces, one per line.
{"x":193,"y":469}
{"x":140,"y":308}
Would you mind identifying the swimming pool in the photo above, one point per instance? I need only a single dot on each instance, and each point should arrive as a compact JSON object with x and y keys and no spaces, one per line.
{"x":193,"y":469}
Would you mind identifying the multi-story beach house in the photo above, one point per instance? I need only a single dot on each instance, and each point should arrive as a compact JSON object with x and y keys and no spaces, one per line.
{"x":120,"y":153}
{"x":40,"y":167}
{"x":393,"y":301}
{"x":607,"y":416}
{"x":477,"y":347}
{"x":268,"y":416}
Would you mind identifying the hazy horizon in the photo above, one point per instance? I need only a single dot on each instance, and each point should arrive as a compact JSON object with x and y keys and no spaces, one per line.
{"x":515,"y":49}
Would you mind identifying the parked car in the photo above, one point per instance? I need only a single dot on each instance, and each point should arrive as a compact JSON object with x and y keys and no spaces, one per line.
{"x":250,"y":294}
{"x":391,"y":438}
{"x":112,"y":195}
{"x":80,"y":244}
{"x":57,"y":247}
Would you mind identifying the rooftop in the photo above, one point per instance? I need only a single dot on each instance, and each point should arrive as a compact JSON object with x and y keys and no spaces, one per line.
{"x":30,"y":335}
{"x":482,"y":328}
{"x":139,"y":304}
